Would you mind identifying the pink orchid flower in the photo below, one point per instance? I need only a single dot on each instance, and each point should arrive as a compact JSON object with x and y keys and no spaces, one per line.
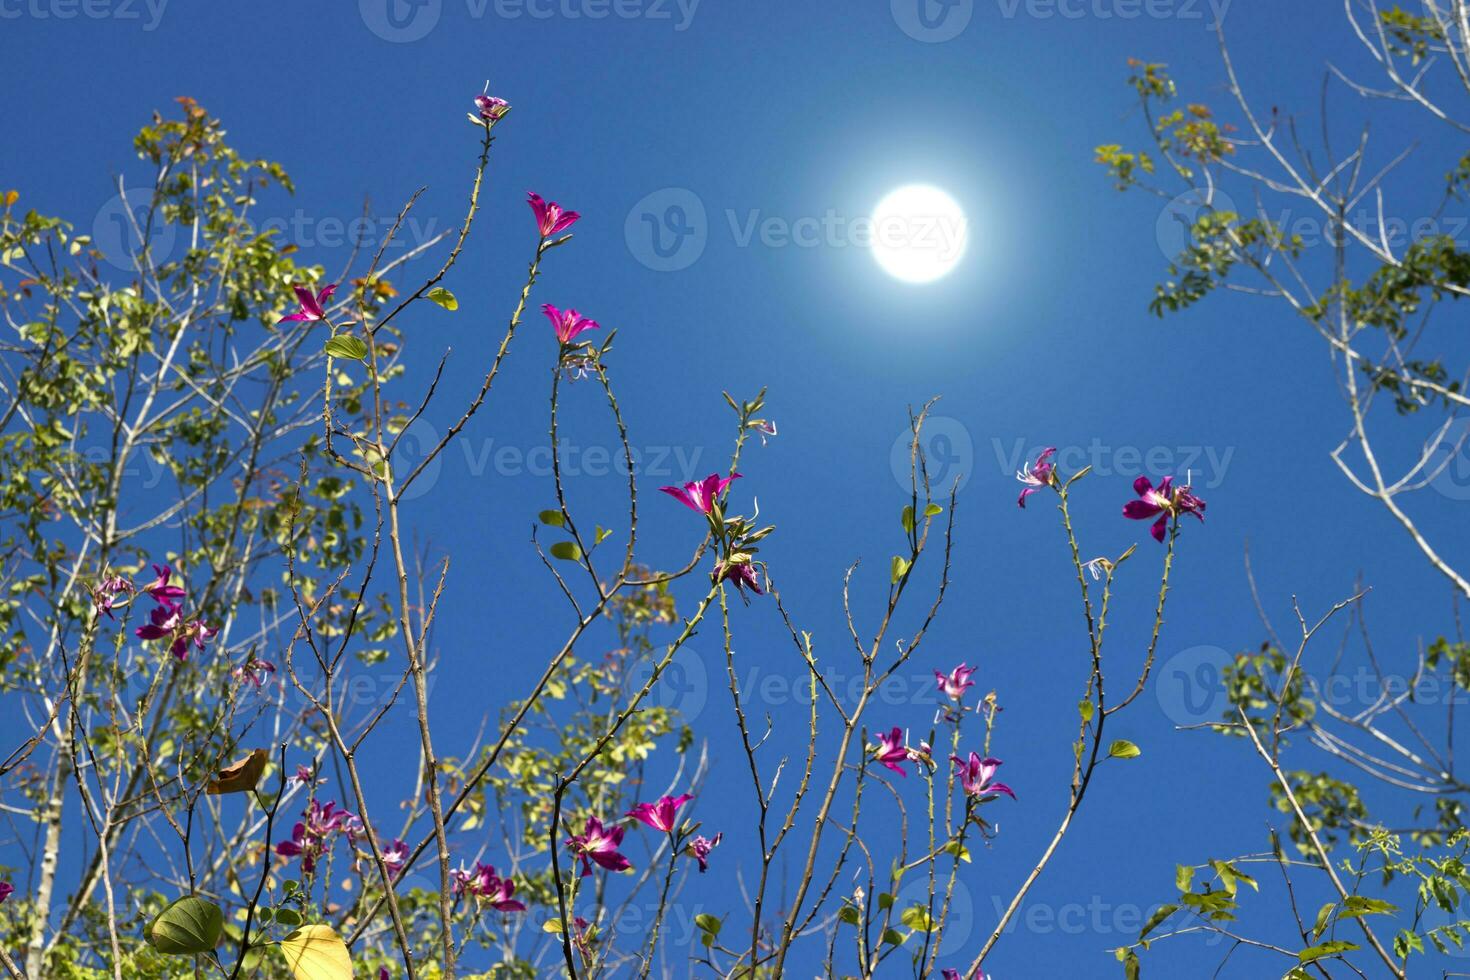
{"x":699,"y":849}
{"x":599,"y":844}
{"x":311,"y":836}
{"x":957,"y":682}
{"x":700,"y":495}
{"x":975,"y":776}
{"x":195,"y":632}
{"x":6,"y":890}
{"x":660,"y":815}
{"x":488,"y":887}
{"x":162,"y":621}
{"x":551,"y":218}
{"x":160,"y":589}
{"x":304,"y":776}
{"x":1039,"y":474}
{"x":1164,"y":501}
{"x":491,"y":108}
{"x":312,"y":307}
{"x":395,"y":857}
{"x":892,"y":750}
{"x":567,"y":323}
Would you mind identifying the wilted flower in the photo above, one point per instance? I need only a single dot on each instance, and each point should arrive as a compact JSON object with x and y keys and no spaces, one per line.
{"x":567,"y":323}
{"x":1164,"y":501}
{"x":766,"y":427}
{"x":599,"y":844}
{"x":892,"y":751}
{"x":1037,"y":475}
{"x":6,"y":890}
{"x":312,"y":307}
{"x":739,"y":569}
{"x":304,"y":776}
{"x":660,"y":815}
{"x":254,"y":673}
{"x":975,"y":774}
{"x":957,"y":682}
{"x":700,"y":494}
{"x":551,"y":218}
{"x":105,"y":593}
{"x":699,"y":849}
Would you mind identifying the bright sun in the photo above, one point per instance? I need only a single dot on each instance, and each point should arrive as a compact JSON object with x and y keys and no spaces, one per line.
{"x":919,"y":233}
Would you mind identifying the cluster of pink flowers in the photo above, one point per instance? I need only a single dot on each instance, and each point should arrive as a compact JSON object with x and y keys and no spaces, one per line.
{"x":486,"y":886}
{"x":1160,"y":504}
{"x":598,"y":844}
{"x":165,"y":620}
{"x":312,"y":836}
{"x":736,"y":565}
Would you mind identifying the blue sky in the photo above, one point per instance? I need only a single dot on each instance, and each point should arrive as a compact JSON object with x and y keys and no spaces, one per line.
{"x":762,"y":110}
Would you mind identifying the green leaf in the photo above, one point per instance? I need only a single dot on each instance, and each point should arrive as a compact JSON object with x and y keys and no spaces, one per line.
{"x":602,"y":535}
{"x":1183,"y":877}
{"x":933,"y":510}
{"x":917,"y":918}
{"x":885,"y":901}
{"x":552,"y":518}
{"x":907,"y":519}
{"x":900,"y":568}
{"x":708,"y":923}
{"x":893,"y":937}
{"x":1314,"y":953}
{"x":849,"y":914}
{"x":288,"y":917}
{"x":1160,"y":914}
{"x":347,"y":346}
{"x":1359,"y":905}
{"x":189,"y":925}
{"x":566,"y":551}
{"x":1123,"y":749}
{"x":1085,"y":709}
{"x":444,"y":298}
{"x":1324,"y":915}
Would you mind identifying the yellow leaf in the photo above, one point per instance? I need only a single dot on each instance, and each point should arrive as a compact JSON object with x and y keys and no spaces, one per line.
{"x":242,"y":776}
{"x":317,"y":953}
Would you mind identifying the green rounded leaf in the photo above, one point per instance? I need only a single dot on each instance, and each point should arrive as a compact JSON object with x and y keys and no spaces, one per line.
{"x":444,"y":298}
{"x":348,"y":346}
{"x":1124,"y":749}
{"x":189,"y":925}
{"x":551,"y":518}
{"x":566,"y":551}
